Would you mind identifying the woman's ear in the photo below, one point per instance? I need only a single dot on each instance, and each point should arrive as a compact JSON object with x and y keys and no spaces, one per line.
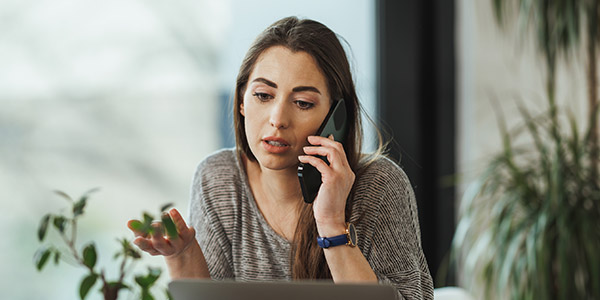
{"x":242,"y":109}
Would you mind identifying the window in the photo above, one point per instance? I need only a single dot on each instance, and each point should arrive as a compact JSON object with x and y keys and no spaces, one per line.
{"x":128,"y":97}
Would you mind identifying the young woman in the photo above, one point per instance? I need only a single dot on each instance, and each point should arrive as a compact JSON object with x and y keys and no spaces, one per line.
{"x":247,"y":214}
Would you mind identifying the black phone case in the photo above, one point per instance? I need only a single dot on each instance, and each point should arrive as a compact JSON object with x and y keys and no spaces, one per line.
{"x":334,"y":124}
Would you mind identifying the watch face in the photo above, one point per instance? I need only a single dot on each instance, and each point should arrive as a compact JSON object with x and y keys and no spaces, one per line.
{"x":352,"y":234}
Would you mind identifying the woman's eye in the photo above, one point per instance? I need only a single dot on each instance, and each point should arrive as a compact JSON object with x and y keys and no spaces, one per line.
{"x":262,"y":96}
{"x":304,"y":104}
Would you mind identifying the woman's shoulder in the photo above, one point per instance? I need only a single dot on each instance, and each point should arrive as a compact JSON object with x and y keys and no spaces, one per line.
{"x":219,"y":167}
{"x":219,"y":161}
{"x":381,"y":183}
{"x":216,"y":181}
{"x":381,"y":171}
{"x":383,"y":192}
{"x":221,"y":157}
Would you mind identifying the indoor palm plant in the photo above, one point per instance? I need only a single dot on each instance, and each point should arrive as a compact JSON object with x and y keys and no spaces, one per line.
{"x":530,"y":225}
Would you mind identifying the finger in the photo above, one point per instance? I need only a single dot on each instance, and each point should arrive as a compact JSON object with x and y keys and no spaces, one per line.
{"x":145,"y":245}
{"x":157,"y":229}
{"x":336,"y":157}
{"x":328,"y":143}
{"x":158,"y":240}
{"x":185,"y":232}
{"x":315,"y":162}
{"x":178,"y":220}
{"x":192,"y":231}
{"x":169,"y":226}
{"x":134,"y":226}
{"x":318,"y":150}
{"x":184,"y":240}
{"x":323,"y":141}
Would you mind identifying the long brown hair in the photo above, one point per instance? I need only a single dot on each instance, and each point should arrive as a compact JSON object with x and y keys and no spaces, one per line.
{"x":314,"y":38}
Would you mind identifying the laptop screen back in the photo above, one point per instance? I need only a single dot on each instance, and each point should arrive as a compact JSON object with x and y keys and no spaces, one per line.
{"x":196,"y":289}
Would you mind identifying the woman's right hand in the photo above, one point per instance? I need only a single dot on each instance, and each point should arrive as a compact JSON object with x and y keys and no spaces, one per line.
{"x":182,"y":253}
{"x":157,"y":244}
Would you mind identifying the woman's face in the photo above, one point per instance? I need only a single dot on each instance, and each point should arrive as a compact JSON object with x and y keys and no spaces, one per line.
{"x":285,"y":101}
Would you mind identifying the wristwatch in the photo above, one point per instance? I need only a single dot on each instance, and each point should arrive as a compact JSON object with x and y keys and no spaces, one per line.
{"x":348,"y":238}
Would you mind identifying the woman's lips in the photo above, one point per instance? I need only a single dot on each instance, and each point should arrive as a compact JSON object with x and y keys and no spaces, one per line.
{"x":275,"y":145}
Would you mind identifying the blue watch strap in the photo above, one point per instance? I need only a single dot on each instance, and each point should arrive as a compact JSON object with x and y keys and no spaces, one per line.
{"x":326,"y":242}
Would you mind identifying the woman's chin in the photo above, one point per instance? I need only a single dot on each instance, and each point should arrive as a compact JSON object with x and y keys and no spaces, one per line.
{"x":278,"y":163}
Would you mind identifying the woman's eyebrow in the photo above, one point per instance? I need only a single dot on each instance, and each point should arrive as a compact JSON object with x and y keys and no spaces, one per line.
{"x":295,"y":90}
{"x":306,"y":89}
{"x":265,"y":81}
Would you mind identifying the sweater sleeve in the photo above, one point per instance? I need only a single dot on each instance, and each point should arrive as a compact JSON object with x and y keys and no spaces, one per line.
{"x":210,"y":233}
{"x":393,"y":247}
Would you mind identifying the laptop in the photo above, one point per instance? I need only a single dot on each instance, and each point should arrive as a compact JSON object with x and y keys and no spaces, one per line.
{"x":202,"y":289}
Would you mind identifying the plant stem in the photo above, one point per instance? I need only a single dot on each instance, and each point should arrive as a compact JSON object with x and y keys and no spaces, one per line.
{"x":73,"y":230}
{"x":592,"y":87}
{"x":71,"y":244}
{"x":122,"y":269}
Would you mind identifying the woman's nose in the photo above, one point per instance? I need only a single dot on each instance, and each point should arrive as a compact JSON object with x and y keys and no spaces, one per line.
{"x":279,"y":116}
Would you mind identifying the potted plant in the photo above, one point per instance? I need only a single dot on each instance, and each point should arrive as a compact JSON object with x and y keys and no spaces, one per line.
{"x":66,"y":227}
{"x":530,"y":225}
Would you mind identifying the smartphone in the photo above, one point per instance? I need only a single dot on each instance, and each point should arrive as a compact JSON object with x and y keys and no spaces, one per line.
{"x":335,"y":124}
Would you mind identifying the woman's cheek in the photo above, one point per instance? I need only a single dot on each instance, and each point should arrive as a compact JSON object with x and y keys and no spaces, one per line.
{"x":249,"y":128}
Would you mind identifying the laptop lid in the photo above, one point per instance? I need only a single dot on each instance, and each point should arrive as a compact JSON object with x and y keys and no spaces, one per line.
{"x":202,"y":289}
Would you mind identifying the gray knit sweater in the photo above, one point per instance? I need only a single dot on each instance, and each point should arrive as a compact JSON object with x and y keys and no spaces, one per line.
{"x":239,"y":243}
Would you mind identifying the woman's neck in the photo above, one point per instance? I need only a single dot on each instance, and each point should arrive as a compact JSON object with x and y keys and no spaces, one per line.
{"x":277,"y":195}
{"x":277,"y":186}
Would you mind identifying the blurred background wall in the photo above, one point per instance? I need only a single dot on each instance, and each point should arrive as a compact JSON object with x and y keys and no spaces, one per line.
{"x":498,"y":67}
{"x":129,"y":97}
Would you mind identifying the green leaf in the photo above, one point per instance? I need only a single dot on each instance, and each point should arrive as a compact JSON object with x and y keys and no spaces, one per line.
{"x":141,"y":281}
{"x":147,"y":281}
{"x":131,"y":252}
{"x":498,"y":10}
{"x":148,"y":218}
{"x":146,"y":295}
{"x":136,"y":225}
{"x":91,"y":191}
{"x":154,"y":272}
{"x":64,"y":195}
{"x":89,"y":256}
{"x":134,"y":254}
{"x":79,"y":206}
{"x":56,"y":256}
{"x":165,"y":206}
{"x":127,"y":250}
{"x":60,"y":223}
{"x":43,"y":227}
{"x":147,"y":224}
{"x":169,"y":226}
{"x":86,"y":285}
{"x":533,"y":130}
{"x":41,"y":257}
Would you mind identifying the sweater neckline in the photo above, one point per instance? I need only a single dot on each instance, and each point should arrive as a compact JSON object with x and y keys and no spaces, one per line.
{"x":252,"y":202}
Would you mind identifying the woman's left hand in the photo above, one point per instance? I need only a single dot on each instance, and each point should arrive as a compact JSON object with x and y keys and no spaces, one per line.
{"x":337,"y":177}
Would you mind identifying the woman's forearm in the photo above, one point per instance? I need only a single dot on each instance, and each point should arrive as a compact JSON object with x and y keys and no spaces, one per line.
{"x":346,"y":263}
